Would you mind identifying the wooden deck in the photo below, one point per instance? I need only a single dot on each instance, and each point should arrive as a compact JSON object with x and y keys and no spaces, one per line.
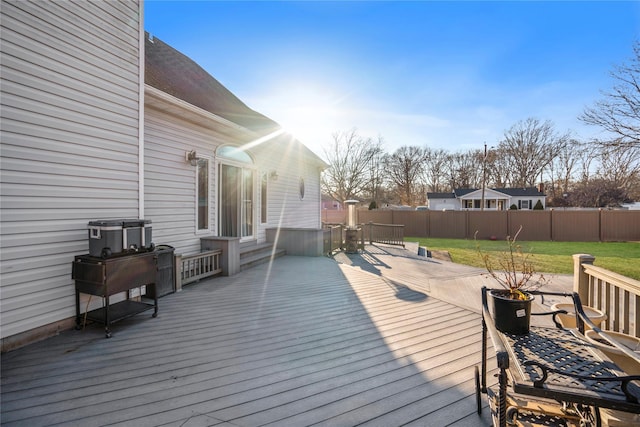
{"x":300,"y":342}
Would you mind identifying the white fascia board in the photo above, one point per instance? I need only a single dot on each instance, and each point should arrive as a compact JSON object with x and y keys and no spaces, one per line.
{"x":154,"y":95}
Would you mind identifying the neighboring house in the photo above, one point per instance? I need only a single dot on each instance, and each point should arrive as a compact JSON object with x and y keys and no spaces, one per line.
{"x":330,"y":203}
{"x":90,"y":130}
{"x":494,"y":199}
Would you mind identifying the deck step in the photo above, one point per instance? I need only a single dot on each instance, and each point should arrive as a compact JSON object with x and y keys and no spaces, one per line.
{"x":257,"y":254}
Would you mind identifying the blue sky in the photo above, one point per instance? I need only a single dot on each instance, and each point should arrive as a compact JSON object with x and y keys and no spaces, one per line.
{"x":449,"y":75}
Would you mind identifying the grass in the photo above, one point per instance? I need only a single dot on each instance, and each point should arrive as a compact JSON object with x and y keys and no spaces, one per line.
{"x":548,"y":257}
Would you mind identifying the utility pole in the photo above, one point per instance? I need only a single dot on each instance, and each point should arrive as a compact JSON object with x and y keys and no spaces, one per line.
{"x":484,"y":175}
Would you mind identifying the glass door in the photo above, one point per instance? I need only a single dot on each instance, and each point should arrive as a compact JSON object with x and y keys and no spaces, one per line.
{"x":246,"y":216}
{"x":236,"y":202}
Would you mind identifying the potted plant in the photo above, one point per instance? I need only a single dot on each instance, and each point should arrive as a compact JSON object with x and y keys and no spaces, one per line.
{"x":514,"y":271}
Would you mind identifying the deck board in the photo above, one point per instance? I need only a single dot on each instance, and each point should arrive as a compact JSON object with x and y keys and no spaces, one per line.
{"x":301,"y":342}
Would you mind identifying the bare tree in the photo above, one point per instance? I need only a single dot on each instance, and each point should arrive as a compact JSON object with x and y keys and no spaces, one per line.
{"x":435,"y":166}
{"x":404,"y":168}
{"x":465,"y":169}
{"x":498,"y":169}
{"x":587,"y":157}
{"x":376,"y":172}
{"x":618,"y":112}
{"x":620,"y":165}
{"x":597,"y":193}
{"x":530,"y":145}
{"x":562,"y":169}
{"x":350,"y":158}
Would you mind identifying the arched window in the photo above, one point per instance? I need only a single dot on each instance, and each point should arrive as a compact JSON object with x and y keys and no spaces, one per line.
{"x":234,"y":154}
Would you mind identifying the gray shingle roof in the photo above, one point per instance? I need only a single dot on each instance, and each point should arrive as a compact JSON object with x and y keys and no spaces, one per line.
{"x":528,"y":191}
{"x":176,"y":74}
{"x":441,"y":196}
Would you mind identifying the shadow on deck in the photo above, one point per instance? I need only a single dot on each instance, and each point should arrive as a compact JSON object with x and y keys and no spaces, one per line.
{"x":302,"y":341}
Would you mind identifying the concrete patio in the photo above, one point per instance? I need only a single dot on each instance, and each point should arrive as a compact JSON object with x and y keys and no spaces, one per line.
{"x":379,"y":338}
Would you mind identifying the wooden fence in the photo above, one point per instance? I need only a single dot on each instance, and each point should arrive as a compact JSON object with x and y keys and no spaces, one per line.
{"x":550,"y":225}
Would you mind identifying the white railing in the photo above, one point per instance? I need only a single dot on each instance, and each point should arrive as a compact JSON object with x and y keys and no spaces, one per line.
{"x":614,"y":294}
{"x":191,"y":268}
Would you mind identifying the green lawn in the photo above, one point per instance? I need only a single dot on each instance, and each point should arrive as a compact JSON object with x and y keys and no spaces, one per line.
{"x":548,"y":257}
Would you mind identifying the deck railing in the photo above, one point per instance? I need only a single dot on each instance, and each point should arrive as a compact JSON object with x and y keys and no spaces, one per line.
{"x":191,"y":268}
{"x":391,"y":234}
{"x":333,"y":237}
{"x":616,"y":295}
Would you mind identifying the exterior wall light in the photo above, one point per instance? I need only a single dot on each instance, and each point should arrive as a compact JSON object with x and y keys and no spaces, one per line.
{"x":191,"y":157}
{"x":273,"y":175}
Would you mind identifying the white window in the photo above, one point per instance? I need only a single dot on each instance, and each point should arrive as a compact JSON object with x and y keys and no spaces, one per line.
{"x":203,"y":205}
{"x":524,"y":204}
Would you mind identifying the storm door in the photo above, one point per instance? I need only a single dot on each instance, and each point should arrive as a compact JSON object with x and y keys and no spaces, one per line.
{"x":236,"y":216}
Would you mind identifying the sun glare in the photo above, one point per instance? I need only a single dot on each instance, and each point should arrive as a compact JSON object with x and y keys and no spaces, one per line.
{"x":309,"y":113}
{"x":307,"y":122}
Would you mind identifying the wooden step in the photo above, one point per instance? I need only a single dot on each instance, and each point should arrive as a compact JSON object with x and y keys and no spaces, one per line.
{"x":252,"y":255}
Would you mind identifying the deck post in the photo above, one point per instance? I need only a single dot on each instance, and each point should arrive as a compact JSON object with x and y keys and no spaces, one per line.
{"x":230,"y":257}
{"x":177,"y":269}
{"x":580,"y":278}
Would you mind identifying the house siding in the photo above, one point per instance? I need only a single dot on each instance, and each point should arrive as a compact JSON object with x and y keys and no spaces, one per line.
{"x":170,"y":181}
{"x":70,"y":122}
{"x":285,"y":207}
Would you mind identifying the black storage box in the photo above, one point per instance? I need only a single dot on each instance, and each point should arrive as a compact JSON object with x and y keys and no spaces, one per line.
{"x":165,"y":277}
{"x":114,"y":236}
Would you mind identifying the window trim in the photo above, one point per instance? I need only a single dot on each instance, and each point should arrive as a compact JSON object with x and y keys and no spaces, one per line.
{"x":199,"y":230}
{"x":264,"y":194}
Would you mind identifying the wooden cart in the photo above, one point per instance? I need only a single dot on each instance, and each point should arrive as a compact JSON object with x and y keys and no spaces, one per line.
{"x":107,"y":277}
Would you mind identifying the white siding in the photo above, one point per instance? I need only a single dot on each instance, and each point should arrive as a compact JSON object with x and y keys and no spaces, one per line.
{"x":170,"y":181}
{"x":69,"y":153}
{"x":285,"y":207}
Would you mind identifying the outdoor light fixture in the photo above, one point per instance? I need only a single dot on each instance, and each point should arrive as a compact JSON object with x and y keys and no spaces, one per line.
{"x":273,"y":175}
{"x":191,"y":157}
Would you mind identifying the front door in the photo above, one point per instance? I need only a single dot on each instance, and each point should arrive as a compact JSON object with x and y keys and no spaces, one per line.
{"x":236,"y":202}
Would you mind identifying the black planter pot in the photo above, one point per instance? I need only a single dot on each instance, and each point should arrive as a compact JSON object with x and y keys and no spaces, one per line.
{"x":511,"y":315}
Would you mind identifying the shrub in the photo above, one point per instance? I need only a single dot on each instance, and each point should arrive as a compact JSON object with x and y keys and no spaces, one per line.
{"x":512,"y":268}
